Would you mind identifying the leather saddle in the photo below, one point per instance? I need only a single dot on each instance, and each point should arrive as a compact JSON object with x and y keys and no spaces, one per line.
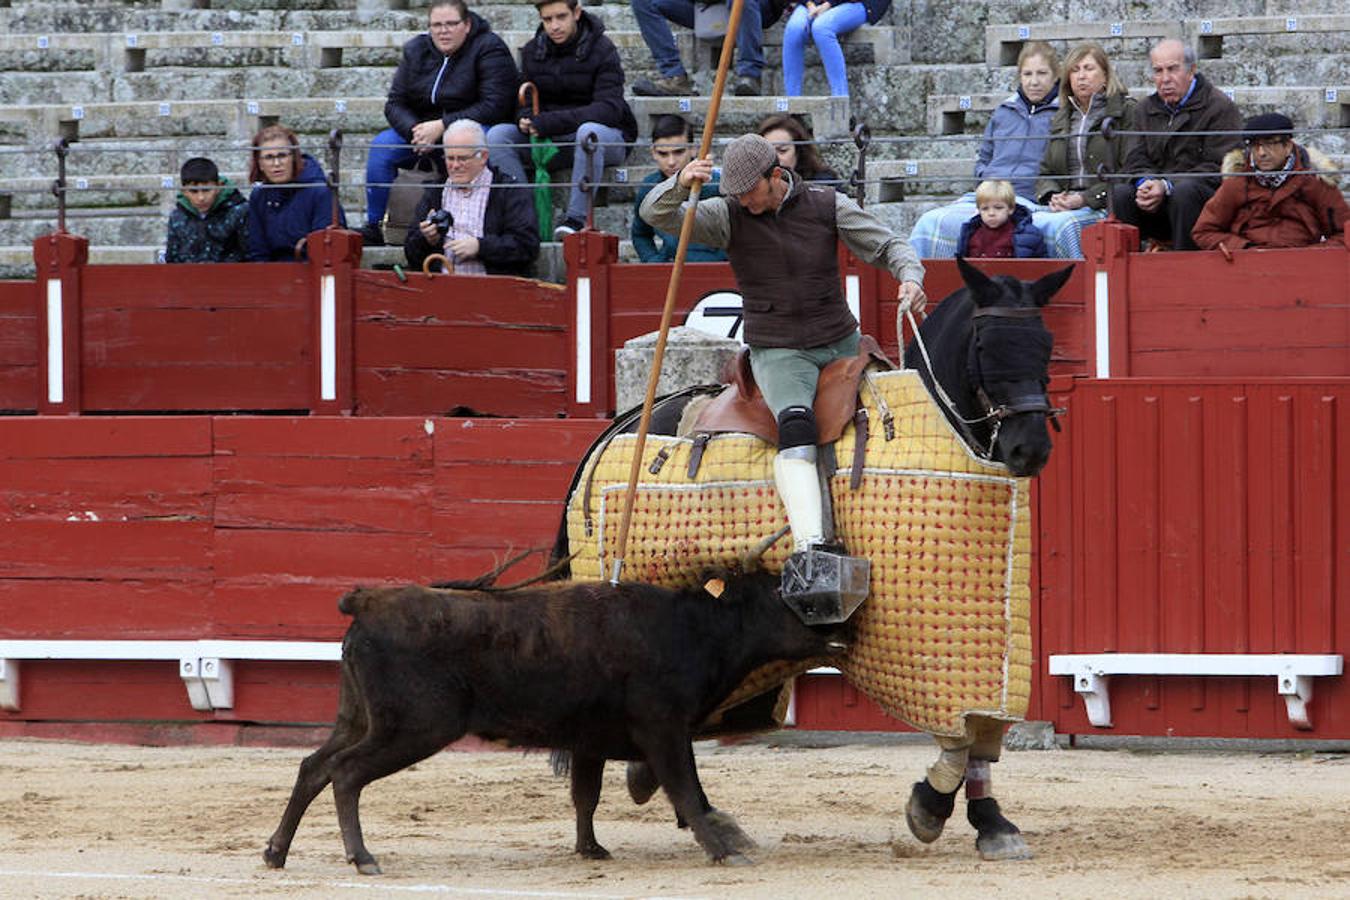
{"x":740,"y":407}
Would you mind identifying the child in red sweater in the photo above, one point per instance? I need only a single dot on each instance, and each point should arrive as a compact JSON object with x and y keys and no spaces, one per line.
{"x":1002,"y":228}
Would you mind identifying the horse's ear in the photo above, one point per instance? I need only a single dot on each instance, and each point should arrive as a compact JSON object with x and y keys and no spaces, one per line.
{"x":1045,"y":287}
{"x":978,"y":282}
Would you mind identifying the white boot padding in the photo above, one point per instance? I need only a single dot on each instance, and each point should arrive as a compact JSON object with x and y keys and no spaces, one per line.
{"x":799,"y":489}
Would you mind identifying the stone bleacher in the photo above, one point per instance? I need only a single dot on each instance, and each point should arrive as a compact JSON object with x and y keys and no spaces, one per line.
{"x":138,"y":87}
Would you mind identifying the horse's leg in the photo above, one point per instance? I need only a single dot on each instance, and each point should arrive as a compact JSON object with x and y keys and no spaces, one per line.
{"x":996,"y":837}
{"x":932,"y":800}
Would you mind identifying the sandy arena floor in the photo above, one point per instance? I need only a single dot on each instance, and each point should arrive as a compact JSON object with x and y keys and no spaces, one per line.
{"x":114,"y":821}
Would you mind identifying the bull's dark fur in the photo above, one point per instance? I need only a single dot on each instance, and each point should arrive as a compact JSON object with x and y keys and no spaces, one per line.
{"x":602,"y":671}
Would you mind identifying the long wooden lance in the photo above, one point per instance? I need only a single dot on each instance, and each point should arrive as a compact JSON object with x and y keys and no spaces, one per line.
{"x":673,"y":289}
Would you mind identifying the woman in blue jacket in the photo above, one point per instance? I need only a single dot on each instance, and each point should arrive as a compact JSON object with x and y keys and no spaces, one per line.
{"x":823,"y":23}
{"x":290,"y":196}
{"x":1013,"y":145}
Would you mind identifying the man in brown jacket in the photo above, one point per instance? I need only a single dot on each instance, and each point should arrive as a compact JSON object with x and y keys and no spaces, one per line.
{"x":1176,"y":172}
{"x":780,"y":234}
{"x":1280,"y":194}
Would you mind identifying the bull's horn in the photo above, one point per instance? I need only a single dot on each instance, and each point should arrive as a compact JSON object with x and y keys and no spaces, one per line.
{"x":755,"y":554}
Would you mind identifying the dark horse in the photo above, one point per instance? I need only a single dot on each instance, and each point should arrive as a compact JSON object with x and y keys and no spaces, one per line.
{"x":984,"y":355}
{"x":990,"y":357}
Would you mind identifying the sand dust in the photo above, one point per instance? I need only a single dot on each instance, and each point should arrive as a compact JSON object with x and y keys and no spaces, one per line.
{"x":80,"y":820}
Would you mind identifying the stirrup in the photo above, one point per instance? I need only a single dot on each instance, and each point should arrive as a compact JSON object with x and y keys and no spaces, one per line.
{"x":823,"y":586}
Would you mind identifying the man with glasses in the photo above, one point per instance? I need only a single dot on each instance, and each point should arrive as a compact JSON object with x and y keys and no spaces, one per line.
{"x":459,"y":69}
{"x":1189,"y":125}
{"x":781,"y":235}
{"x":1278,"y":193}
{"x":482,"y":219}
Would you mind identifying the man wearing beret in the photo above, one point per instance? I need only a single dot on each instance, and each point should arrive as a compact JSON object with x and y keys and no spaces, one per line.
{"x":1188,"y":126}
{"x":1280,"y":193}
{"x":780,"y":234}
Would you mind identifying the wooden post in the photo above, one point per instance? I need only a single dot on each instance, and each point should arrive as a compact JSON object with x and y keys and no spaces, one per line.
{"x":590,"y":383}
{"x":60,"y":258}
{"x":1106,"y":248}
{"x":334,"y":255}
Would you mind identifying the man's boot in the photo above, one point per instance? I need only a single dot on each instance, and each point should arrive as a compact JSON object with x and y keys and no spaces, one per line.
{"x":820,"y":583}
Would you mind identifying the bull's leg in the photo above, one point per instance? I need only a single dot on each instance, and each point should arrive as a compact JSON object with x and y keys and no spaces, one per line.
{"x":642,"y":784}
{"x":379,"y":754}
{"x":315,"y":773}
{"x":996,"y":837}
{"x":672,"y":760}
{"x":587,"y":772}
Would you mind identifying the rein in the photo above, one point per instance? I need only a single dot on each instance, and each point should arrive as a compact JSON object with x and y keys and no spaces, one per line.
{"x":994,"y":413}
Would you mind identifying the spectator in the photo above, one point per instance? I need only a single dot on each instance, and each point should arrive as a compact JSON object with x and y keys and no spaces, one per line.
{"x":579,"y":78}
{"x":1280,"y":194}
{"x":210,"y":222}
{"x":1070,"y":186}
{"x":671,"y":140}
{"x":796,"y":148}
{"x":459,"y":69}
{"x":1163,"y":202}
{"x":490,"y":228}
{"x":290,"y":196}
{"x":1002,"y":229}
{"x":823,"y":23}
{"x":1011,"y":150}
{"x":653,"y":18}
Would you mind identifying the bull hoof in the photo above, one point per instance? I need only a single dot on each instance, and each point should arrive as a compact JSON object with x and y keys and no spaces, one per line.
{"x":735,"y":859}
{"x":642,"y":783}
{"x":275,"y":859}
{"x":592,"y":851}
{"x":724,"y":823}
{"x":928,"y":810}
{"x":370,"y":868}
{"x":998,"y":839}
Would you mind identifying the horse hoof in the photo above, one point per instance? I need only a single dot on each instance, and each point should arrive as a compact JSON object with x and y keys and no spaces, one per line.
{"x":924,"y":813}
{"x":730,"y":831}
{"x":642,"y":783}
{"x":1002,"y":846}
{"x":369,"y":868}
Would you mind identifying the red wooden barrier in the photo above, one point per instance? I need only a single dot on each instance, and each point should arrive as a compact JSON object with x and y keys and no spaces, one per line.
{"x":244,"y":527}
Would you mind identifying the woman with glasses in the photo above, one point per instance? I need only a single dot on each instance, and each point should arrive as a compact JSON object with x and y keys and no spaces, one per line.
{"x":1277,"y":193}
{"x":290,"y":197}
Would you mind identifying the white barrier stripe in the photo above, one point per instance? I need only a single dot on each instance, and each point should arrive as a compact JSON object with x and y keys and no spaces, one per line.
{"x":56,"y":387}
{"x":285,"y":881}
{"x":852,"y":295}
{"x":1102,"y":322}
{"x":328,"y":337}
{"x":583,"y":366}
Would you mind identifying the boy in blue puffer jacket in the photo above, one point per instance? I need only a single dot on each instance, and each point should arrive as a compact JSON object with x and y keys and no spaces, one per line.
{"x":1002,"y":228}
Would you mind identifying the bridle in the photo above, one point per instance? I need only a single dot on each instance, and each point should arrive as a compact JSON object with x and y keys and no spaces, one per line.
{"x":994,"y":413}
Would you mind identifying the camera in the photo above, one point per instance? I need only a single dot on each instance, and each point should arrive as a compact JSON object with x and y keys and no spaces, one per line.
{"x":442,"y":219}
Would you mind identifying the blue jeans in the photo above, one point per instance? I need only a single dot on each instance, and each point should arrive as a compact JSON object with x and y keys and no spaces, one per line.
{"x":824,"y":29}
{"x":651,"y":18}
{"x":382,"y":165}
{"x":512,"y":160}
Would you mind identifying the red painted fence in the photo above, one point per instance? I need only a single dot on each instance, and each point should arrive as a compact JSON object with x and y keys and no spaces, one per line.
{"x":1194,"y":502}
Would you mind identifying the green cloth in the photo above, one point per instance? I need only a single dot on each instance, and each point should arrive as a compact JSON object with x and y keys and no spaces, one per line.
{"x":542,"y":152}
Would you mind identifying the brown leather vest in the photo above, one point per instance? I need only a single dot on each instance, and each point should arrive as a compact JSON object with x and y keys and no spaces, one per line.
{"x":787,"y":269}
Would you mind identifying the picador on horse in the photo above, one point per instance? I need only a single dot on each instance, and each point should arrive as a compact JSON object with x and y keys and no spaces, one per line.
{"x":926,"y":519}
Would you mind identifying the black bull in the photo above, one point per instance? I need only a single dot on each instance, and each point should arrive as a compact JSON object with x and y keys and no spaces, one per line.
{"x":601,"y":671}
